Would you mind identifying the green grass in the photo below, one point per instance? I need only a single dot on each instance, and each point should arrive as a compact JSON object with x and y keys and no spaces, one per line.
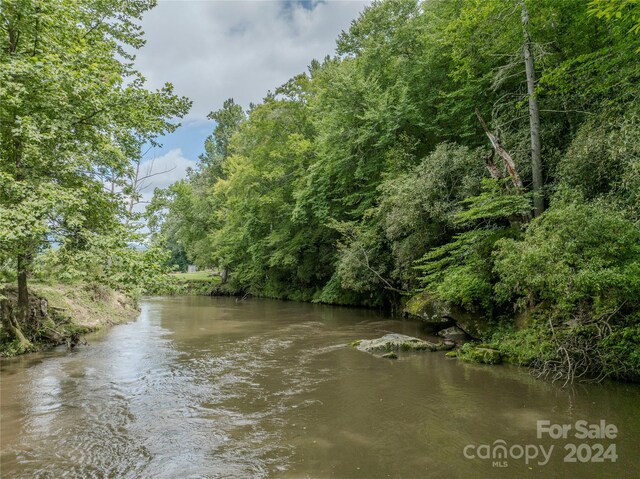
{"x":198,"y":276}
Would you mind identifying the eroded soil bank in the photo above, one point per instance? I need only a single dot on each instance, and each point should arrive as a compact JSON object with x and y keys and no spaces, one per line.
{"x":60,"y":314}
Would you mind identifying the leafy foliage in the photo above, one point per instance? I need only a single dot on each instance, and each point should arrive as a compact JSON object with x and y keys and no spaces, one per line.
{"x":578,"y":254}
{"x":74,"y":115}
{"x":581,"y":261}
{"x":603,"y":160}
{"x":368,"y":178}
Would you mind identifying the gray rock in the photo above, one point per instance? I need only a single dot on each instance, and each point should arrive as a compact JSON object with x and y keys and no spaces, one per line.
{"x":431,"y":311}
{"x":454,"y":333}
{"x":400,"y":342}
{"x":474,"y":325}
{"x":439,"y":314}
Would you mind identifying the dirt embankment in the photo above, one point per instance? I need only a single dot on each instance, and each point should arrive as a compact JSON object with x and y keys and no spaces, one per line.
{"x":61,"y":313}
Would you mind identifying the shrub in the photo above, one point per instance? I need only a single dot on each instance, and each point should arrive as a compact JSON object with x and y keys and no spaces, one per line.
{"x":581,"y":263}
{"x":577,"y":254}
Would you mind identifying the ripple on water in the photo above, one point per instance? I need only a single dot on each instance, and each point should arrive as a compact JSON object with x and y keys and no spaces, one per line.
{"x":256,"y":390}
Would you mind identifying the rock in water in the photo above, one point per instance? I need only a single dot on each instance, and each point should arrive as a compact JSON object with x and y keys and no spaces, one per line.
{"x":400,"y":342}
{"x":453,"y":333}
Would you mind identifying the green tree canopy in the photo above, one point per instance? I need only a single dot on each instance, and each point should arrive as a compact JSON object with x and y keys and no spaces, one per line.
{"x":73,"y":114}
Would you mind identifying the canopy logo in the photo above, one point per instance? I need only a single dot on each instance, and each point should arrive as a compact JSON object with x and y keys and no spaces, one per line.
{"x":500,"y":452}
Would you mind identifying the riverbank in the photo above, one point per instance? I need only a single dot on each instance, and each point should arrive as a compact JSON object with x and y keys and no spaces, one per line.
{"x":551,"y":345}
{"x":61,"y":313}
{"x":201,"y":283}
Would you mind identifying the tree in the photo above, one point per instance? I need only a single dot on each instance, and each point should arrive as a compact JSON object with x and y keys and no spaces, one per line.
{"x":138,"y":181}
{"x":260,"y":236}
{"x":216,"y":146}
{"x":534,"y":115}
{"x":185,"y":212}
{"x":623,"y":12}
{"x":73,"y":112}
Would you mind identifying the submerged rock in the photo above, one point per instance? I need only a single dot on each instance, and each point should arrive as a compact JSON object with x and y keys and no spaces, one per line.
{"x":400,"y":342}
{"x":390,"y":355}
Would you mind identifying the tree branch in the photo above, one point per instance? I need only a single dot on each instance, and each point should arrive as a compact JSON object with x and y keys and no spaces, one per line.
{"x":504,"y":154}
{"x":368,"y":266}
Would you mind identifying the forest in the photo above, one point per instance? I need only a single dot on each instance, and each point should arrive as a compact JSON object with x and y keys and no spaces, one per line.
{"x":480,"y":153}
{"x":483,"y":153}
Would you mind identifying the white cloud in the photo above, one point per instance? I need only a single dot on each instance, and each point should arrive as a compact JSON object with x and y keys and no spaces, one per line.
{"x":166,"y":169}
{"x":214,"y":50}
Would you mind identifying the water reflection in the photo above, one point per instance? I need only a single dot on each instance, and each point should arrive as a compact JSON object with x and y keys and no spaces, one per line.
{"x":212,"y":387}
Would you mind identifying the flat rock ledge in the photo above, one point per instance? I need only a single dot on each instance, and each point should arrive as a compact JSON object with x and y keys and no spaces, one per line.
{"x":400,"y":342}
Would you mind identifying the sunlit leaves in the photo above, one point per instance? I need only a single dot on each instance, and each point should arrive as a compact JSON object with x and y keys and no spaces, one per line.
{"x":73,"y":115}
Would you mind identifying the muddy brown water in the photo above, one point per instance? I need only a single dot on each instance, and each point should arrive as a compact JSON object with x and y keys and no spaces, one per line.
{"x":203,"y":387}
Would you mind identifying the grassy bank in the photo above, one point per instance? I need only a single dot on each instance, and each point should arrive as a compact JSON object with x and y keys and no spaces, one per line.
{"x":204,"y":283}
{"x":61,"y":313}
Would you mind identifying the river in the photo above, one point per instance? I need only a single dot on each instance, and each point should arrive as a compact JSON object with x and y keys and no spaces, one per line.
{"x":203,"y":387}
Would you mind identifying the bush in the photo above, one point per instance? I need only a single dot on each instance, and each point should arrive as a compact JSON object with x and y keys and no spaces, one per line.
{"x":604,"y":160}
{"x":580,"y":263}
{"x":621,"y":350}
{"x":576,"y":255}
{"x":524,"y":346}
{"x":461,"y":271}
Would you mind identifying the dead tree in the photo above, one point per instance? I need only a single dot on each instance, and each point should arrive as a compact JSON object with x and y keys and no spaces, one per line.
{"x":138,"y":182}
{"x":534,"y":117}
{"x":502,"y":153}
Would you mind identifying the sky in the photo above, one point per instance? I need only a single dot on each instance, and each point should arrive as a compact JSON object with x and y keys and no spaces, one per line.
{"x":211,"y":50}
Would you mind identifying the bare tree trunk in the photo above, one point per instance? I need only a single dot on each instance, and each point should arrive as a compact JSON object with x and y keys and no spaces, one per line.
{"x":503,"y":153}
{"x":491,"y":166}
{"x":534,"y":117}
{"x":135,"y":185}
{"x":510,"y":165}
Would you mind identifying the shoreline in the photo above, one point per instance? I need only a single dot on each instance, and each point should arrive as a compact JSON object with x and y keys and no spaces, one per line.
{"x":63,"y":313}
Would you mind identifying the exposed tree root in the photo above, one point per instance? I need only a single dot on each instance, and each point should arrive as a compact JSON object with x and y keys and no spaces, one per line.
{"x":579,"y":355}
{"x":36,"y":327}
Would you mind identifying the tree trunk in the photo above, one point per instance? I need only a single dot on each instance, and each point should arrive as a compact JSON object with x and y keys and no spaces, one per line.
{"x":11,"y":319}
{"x":534,"y":118}
{"x":494,"y":171}
{"x":23,"y":292}
{"x":12,"y":326}
{"x":503,"y":153}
